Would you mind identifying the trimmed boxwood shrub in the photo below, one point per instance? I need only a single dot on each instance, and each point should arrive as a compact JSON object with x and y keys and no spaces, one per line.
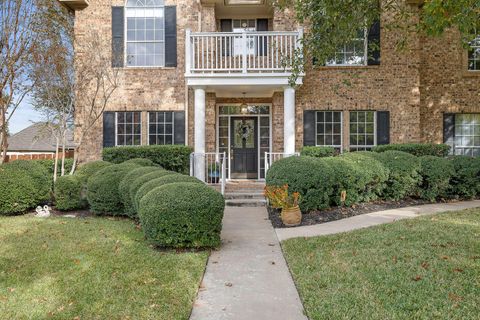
{"x":69,"y":193}
{"x":182,"y":215}
{"x":17,"y":191}
{"x":319,"y":152}
{"x":465,"y":181}
{"x":311,"y":177}
{"x":42,"y":181}
{"x":141,"y":162}
{"x":403,"y":176}
{"x":49,"y":164}
{"x":436,"y":173}
{"x":126,"y":183}
{"x":141,"y":180}
{"x":102,"y":189}
{"x":158,"y":182}
{"x":171,"y":157}
{"x":417,"y":149}
{"x":86,"y":170}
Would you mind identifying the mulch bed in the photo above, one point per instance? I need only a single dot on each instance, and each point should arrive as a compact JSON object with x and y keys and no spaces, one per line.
{"x":318,"y":217}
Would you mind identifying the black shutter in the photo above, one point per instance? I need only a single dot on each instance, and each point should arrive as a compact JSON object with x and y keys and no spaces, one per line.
{"x":262,"y":26}
{"x":117,"y":37}
{"x":226,"y":25}
{"x":108,"y":129}
{"x":170,"y":36}
{"x":179,"y":125}
{"x":374,"y":44}
{"x":383,"y":127}
{"x":449,"y":130}
{"x":309,"y":123}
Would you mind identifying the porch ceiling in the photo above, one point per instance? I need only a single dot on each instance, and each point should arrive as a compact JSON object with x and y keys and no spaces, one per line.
{"x":238,"y":91}
{"x":237,"y":9}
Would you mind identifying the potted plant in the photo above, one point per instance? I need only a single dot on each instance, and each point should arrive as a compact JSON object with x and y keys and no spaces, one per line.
{"x":280,"y":198}
{"x":214,"y":172}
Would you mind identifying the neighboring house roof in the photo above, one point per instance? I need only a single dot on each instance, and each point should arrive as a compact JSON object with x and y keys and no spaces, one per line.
{"x":36,"y":138}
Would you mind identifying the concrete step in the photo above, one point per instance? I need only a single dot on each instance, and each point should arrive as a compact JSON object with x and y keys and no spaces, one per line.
{"x":244,"y":195}
{"x":245,"y":203}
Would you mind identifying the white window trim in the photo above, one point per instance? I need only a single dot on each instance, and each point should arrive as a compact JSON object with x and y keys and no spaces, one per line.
{"x":374,"y":131}
{"x":148,"y":128}
{"x":473,"y":46}
{"x":463,"y":147}
{"x":116,"y":129}
{"x":365,"y":54}
{"x":125,"y":34}
{"x":341,"y":129}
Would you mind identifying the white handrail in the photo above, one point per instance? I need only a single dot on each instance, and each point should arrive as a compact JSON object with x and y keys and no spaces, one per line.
{"x":214,"y":166}
{"x":271,"y":157}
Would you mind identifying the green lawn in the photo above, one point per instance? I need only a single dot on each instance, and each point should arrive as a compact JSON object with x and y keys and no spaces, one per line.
{"x":427,"y":268}
{"x":93,"y":268}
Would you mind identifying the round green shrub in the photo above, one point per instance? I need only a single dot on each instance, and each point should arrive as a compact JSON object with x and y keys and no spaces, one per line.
{"x":319,"y":152}
{"x":69,"y":193}
{"x":182,"y":215}
{"x":436,"y":173}
{"x":370,"y":174}
{"x":465,"y":181}
{"x":311,"y":177}
{"x":126,"y":183}
{"x":17,"y":191}
{"x":42,"y":181}
{"x":403,"y":177}
{"x":158,"y":182}
{"x":102,"y":189}
{"x":86,"y":170}
{"x":142,"y":179}
{"x":141,"y":162}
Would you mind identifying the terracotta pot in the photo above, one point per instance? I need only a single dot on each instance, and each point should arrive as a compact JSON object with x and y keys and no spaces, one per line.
{"x":291,"y":217}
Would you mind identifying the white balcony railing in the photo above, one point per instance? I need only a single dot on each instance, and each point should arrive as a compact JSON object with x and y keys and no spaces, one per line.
{"x":241,"y":52}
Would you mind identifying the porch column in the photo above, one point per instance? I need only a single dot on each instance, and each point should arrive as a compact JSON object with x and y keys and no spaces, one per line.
{"x":289,"y":120}
{"x":199,"y":133}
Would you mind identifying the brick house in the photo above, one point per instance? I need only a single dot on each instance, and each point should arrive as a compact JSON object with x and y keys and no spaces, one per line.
{"x":212,"y":74}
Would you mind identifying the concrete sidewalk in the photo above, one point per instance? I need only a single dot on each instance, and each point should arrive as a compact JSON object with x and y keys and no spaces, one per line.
{"x":248,"y":277}
{"x":372,"y":219}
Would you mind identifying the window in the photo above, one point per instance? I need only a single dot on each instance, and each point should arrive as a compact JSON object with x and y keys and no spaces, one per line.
{"x":160,"y":128}
{"x":145,"y":33}
{"x":354,"y":53}
{"x":329,"y":128}
{"x":474,"y":55}
{"x":128,"y":129}
{"x":238,"y":43}
{"x":467,"y":134}
{"x":362,"y":130}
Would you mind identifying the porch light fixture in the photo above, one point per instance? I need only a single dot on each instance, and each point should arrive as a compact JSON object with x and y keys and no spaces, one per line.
{"x":244,"y":105}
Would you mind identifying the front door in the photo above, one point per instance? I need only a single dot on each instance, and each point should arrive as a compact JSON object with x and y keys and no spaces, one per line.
{"x":244,"y":152}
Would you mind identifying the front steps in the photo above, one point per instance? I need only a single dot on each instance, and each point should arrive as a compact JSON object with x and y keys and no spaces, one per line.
{"x":244,"y":193}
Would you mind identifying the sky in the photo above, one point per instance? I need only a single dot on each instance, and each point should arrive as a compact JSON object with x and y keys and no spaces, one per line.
{"x":23,"y":117}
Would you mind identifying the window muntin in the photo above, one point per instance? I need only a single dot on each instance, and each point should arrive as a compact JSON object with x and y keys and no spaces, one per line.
{"x":354,"y":53}
{"x":145,"y":33}
{"x":329,"y":128}
{"x":467,"y":134}
{"x":128,"y":129}
{"x":474,"y":55}
{"x":362,"y":130}
{"x":160,"y":128}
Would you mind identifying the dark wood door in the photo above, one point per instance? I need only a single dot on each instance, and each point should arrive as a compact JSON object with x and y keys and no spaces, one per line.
{"x":244,"y":148}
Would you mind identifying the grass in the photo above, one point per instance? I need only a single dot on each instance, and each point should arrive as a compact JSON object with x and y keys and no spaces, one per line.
{"x":426,"y":268}
{"x":91,"y":268}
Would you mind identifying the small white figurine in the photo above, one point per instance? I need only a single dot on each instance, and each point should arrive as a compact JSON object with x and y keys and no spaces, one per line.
{"x":43,"y":212}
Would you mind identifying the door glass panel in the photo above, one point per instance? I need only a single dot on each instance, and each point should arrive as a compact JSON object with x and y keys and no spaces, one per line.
{"x":244,"y":132}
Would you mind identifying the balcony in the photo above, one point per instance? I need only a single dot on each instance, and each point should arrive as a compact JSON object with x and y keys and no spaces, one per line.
{"x":240,"y":55}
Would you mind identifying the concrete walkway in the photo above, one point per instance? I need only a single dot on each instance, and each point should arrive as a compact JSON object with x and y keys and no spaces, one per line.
{"x":248,"y":277}
{"x":372,"y":219}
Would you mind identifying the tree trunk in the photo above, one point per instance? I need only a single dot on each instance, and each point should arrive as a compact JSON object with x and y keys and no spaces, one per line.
{"x":55,"y":163}
{"x":64,"y":142}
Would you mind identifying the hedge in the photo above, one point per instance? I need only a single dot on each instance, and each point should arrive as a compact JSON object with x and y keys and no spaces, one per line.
{"x":141,"y":162}
{"x":311,"y":177}
{"x":49,"y":164}
{"x":141,"y":180}
{"x":102,"y":189}
{"x":88,"y":169}
{"x":42,"y":181}
{"x":404,"y":174}
{"x":417,"y":149}
{"x":17,"y":191}
{"x":182,"y":215}
{"x":69,"y":193}
{"x":158,"y":182}
{"x":465,"y":181}
{"x":319,"y":152}
{"x":436,"y":173}
{"x":171,"y":157}
{"x":126,"y":183}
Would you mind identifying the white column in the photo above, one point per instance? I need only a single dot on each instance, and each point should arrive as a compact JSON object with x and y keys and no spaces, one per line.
{"x":289,"y":120}
{"x":199,"y":133}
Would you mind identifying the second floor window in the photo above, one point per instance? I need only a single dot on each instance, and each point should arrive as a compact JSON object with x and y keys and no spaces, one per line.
{"x":354,"y":53}
{"x":145,"y":34}
{"x":474,"y":55}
